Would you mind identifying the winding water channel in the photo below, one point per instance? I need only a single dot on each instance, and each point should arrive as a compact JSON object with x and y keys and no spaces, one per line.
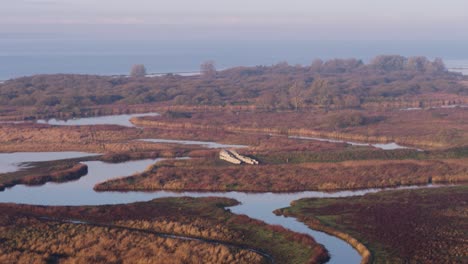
{"x":254,"y":205}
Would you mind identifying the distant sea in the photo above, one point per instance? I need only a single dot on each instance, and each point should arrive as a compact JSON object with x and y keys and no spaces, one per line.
{"x":28,"y":58}
{"x":457,"y":66}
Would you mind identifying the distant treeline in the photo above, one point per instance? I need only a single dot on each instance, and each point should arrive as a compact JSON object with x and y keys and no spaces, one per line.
{"x":339,"y":83}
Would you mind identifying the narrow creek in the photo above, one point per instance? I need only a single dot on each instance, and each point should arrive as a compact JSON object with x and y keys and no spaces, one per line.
{"x":383,"y":146}
{"x":121,"y":120}
{"x":255,"y":205}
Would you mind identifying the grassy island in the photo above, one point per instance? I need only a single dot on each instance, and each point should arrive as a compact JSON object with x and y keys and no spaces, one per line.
{"x":407,"y":226}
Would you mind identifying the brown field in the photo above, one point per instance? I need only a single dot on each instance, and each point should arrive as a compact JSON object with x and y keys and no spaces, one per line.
{"x":408,"y":226}
{"x":107,"y":139}
{"x":38,"y":241}
{"x":122,"y":232}
{"x":429,"y":128}
{"x":209,"y":175}
{"x":100,"y":139}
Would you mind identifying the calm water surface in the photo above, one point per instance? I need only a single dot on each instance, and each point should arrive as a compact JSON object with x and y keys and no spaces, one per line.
{"x":10,"y":162}
{"x":460,"y":66}
{"x":207,"y":144}
{"x":255,"y":205}
{"x":82,"y":55}
{"x":121,"y":120}
{"x":384,"y":146}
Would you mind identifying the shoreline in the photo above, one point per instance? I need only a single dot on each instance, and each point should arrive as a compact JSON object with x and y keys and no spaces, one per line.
{"x":315,"y":224}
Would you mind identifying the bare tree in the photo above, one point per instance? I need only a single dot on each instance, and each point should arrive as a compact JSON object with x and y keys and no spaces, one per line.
{"x":417,"y":63}
{"x":316,"y":65}
{"x":437,"y":66}
{"x":389,"y":62}
{"x":208,"y":69}
{"x":296,"y":93}
{"x":138,"y":70}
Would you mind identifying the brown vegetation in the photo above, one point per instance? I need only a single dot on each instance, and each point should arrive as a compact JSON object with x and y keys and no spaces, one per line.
{"x":410,"y":226}
{"x":99,"y":139}
{"x":34,"y":241}
{"x":123,"y":232}
{"x":286,"y":160}
{"x":334,"y":84}
{"x":60,"y":171}
{"x":208,"y":175}
{"x":260,"y":107}
{"x":432,"y":128}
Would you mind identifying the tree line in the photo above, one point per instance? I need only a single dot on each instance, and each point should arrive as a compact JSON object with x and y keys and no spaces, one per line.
{"x":344,"y":83}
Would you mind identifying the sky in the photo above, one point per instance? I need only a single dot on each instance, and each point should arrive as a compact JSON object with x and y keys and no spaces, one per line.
{"x":330,"y":19}
{"x":177,"y":35}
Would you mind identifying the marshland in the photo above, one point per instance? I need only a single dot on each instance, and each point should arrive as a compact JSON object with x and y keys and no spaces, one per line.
{"x":331,"y":138}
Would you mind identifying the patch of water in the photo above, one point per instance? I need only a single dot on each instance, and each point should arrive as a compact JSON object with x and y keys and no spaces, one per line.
{"x":207,"y":144}
{"x":121,"y":120}
{"x":11,"y":162}
{"x":435,"y":107}
{"x":384,"y":146}
{"x":254,"y":205}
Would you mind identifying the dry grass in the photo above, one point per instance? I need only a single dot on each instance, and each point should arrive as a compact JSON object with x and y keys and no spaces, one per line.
{"x":31,"y":240}
{"x":433,"y":128}
{"x":124,"y":233}
{"x":409,"y":226}
{"x":101,"y":139}
{"x":206,"y":175}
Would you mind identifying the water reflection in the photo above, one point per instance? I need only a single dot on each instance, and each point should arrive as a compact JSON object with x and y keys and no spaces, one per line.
{"x":207,"y":144}
{"x":384,"y":146}
{"x":255,"y":205}
{"x":121,"y":120}
{"x":11,"y":162}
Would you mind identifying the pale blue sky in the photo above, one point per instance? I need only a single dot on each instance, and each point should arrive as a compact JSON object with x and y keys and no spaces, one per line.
{"x":331,"y":19}
{"x":49,"y":36}
{"x":357,"y":12}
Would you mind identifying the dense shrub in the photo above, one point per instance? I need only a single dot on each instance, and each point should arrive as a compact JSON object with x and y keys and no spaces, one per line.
{"x":335,"y":83}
